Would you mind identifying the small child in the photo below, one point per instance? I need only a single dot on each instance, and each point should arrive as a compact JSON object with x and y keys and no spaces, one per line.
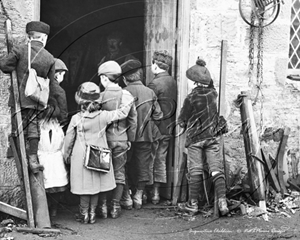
{"x":51,"y":143}
{"x":199,"y":116}
{"x":88,"y":128}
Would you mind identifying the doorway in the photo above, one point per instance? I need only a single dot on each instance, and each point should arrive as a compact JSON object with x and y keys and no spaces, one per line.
{"x":78,"y":35}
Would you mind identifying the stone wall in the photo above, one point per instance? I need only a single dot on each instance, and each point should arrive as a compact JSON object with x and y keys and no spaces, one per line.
{"x":19,"y":12}
{"x":216,"y":20}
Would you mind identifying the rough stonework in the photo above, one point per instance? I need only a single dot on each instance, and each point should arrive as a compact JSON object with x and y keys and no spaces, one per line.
{"x":19,"y":12}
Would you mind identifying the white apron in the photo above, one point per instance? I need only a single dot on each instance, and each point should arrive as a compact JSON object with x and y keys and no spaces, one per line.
{"x":50,"y":154}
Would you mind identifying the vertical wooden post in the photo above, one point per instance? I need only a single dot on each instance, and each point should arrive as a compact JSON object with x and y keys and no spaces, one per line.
{"x":280,"y":158}
{"x":252,"y":148}
{"x":37,"y":10}
{"x":182,"y":60}
{"x":21,"y":142}
{"x":222,"y":98}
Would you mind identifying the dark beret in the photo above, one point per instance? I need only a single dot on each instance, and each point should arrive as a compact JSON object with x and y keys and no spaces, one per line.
{"x":38,"y":26}
{"x":130,"y":66}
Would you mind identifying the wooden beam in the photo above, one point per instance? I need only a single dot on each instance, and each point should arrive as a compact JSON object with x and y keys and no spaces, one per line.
{"x":18,"y":119}
{"x":13,"y":211}
{"x":17,"y":158}
{"x":280,"y":158}
{"x":252,"y":148}
{"x":38,"y":230}
{"x":271,"y":173}
{"x":37,"y":10}
{"x":222,"y":100}
{"x":222,"y":84}
{"x":182,"y":60}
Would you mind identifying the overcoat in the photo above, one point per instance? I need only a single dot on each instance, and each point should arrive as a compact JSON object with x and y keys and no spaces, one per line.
{"x":165,"y":89}
{"x":89,"y":128}
{"x":148,"y":110}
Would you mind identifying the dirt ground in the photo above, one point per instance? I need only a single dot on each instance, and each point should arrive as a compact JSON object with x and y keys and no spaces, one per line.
{"x":162,"y":222}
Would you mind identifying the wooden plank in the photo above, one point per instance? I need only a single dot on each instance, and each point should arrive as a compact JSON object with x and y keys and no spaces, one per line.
{"x":222,"y":83}
{"x":280,"y":158}
{"x":252,"y":148}
{"x":13,"y":211}
{"x":222,"y":99}
{"x":182,"y":61}
{"x":270,"y":173}
{"x":160,"y":26}
{"x":184,"y":187}
{"x":38,"y":230}
{"x":18,"y":118}
{"x":16,"y":158}
{"x":160,"y":34}
{"x":37,"y":10}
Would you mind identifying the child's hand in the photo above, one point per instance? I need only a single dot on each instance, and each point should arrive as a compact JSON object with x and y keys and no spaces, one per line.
{"x":67,"y":160}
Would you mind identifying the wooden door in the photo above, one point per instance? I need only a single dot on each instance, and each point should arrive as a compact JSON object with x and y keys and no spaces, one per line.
{"x":167,"y":28}
{"x":160,"y":34}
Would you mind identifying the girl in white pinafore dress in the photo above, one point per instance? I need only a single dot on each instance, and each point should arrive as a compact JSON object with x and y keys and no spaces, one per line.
{"x":51,"y":143}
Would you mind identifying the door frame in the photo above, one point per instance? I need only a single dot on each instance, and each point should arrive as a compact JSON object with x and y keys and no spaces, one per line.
{"x":182,"y":36}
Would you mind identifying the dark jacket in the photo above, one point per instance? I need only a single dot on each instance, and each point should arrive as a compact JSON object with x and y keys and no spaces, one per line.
{"x":123,"y":130}
{"x":164,"y":86}
{"x":147,"y":108}
{"x":41,"y":60}
{"x":199,"y":115}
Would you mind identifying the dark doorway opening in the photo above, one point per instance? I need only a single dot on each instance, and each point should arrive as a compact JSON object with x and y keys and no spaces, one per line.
{"x":78,"y":35}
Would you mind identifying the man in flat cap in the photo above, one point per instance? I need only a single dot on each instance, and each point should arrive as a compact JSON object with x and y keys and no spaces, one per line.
{"x":43,"y":62}
{"x":165,"y":89}
{"x":148,"y":110}
{"x":116,"y":51}
{"x":119,"y":134}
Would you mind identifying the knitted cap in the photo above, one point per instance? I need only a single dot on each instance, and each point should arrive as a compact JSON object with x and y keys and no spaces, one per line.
{"x":38,"y":26}
{"x":60,"y":65}
{"x":163,"y":59}
{"x":199,"y":73}
{"x":130,"y":66}
{"x":87,"y":92}
{"x":111,"y":69}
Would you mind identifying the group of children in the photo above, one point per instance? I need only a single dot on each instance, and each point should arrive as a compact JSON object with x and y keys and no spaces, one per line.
{"x":135,"y":123}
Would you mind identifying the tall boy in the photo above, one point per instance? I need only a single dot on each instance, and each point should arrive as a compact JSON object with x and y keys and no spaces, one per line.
{"x":164,"y":86}
{"x":119,"y":134}
{"x":43,"y":62}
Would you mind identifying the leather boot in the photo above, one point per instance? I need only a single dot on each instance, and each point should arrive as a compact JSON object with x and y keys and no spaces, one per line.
{"x":102,"y":209}
{"x":222,"y":204}
{"x":115,"y":208}
{"x":83,"y":215}
{"x":126,"y":201}
{"x":93,"y":214}
{"x":34,"y":164}
{"x":155,"y":195}
{"x":190,"y":207}
{"x":138,"y":199}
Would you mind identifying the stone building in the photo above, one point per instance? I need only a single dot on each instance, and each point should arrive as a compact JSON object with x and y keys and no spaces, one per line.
{"x":188,"y":29}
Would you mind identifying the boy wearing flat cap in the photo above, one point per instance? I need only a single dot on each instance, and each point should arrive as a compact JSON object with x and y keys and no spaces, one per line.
{"x":164,"y":87}
{"x":43,"y":62}
{"x":199,"y":116}
{"x":148,"y":110}
{"x":119,"y":134}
